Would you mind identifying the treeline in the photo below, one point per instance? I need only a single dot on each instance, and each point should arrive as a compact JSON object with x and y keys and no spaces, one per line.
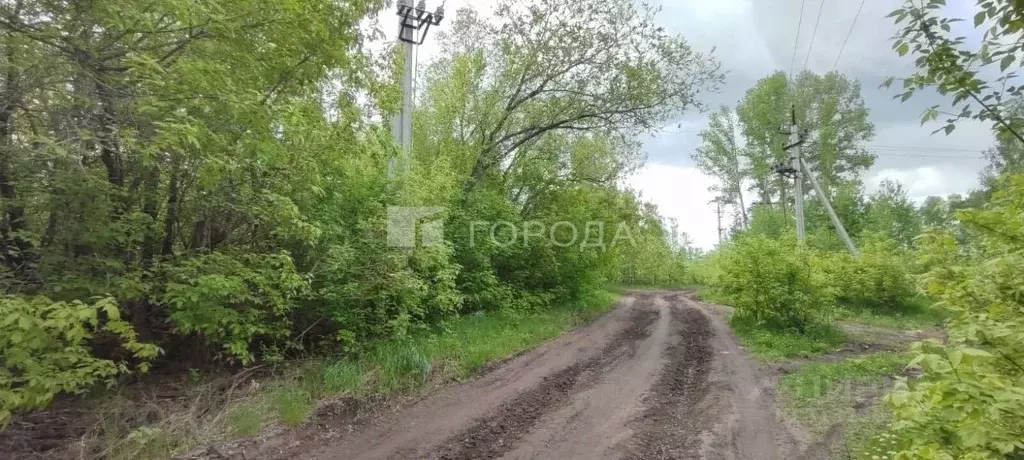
{"x":185,"y":184}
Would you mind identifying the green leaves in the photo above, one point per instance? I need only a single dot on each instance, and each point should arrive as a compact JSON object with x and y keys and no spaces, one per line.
{"x":45,"y":345}
{"x":771,"y":284}
{"x":970,"y":403}
{"x":948,"y":64}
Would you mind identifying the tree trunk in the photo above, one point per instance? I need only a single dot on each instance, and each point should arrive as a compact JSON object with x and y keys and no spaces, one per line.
{"x":171,"y":220}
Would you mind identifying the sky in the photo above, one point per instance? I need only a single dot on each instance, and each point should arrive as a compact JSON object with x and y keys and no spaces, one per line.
{"x":752,"y":39}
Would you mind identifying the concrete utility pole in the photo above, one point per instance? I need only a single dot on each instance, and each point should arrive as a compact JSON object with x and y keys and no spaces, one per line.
{"x":792,"y":169}
{"x":796,"y":142}
{"x":718,"y":202}
{"x":797,"y":169}
{"x":414,"y":24}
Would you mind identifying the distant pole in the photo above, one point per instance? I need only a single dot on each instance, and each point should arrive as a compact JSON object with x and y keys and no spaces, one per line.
{"x":718,"y":202}
{"x":413,"y":26}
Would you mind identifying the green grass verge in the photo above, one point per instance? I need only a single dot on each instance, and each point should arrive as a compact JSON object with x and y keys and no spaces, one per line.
{"x":404,"y":366}
{"x":823,"y":395}
{"x":772,"y":345}
{"x":918,"y":314}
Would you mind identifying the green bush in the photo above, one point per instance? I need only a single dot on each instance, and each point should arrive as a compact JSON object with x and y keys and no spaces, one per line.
{"x":44,"y":349}
{"x":879,"y":278}
{"x":970,"y":403}
{"x":233,"y":301}
{"x":771,"y":283}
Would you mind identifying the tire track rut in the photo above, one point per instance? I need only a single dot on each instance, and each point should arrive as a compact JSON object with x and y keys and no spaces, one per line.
{"x":672,"y":424}
{"x":499,"y":433}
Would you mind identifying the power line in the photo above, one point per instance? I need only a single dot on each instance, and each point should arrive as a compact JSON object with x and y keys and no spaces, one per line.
{"x":948,"y":157}
{"x":810,"y":47}
{"x":796,"y":42}
{"x":848,"y":34}
{"x":919,"y":148}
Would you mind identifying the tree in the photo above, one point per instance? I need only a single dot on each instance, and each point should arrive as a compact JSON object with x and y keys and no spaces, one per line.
{"x":719,"y":156}
{"x":891,"y":213}
{"x":935,"y":212}
{"x":546,"y":67}
{"x":832,"y":110}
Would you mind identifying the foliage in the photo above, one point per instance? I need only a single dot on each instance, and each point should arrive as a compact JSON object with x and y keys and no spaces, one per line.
{"x":971,"y":400}
{"x":947,"y":62}
{"x":45,"y":349}
{"x":879,"y":278}
{"x":772,"y":284}
{"x":891,"y":213}
{"x":720,"y":156}
{"x":829,"y":106}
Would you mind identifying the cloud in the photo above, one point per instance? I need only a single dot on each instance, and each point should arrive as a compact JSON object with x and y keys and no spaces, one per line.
{"x":681,"y":193}
{"x":924,"y":181}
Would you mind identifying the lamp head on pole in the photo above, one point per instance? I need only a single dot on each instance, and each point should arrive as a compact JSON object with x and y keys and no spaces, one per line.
{"x":415,"y":22}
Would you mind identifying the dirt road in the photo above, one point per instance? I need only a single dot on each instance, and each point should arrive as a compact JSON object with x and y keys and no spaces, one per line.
{"x":659,"y":377}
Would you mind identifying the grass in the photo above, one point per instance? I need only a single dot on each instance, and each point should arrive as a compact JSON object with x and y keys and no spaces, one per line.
{"x":823,"y":395}
{"x":461,"y":349}
{"x":816,"y":379}
{"x":917,"y":314}
{"x":773,"y":345}
{"x":413,"y":364}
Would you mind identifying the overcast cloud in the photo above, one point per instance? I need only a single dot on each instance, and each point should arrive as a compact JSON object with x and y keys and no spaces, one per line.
{"x":753,"y":38}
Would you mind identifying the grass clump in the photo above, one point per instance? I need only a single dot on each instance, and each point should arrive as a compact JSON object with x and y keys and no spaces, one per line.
{"x":292,"y":404}
{"x":773,"y":344}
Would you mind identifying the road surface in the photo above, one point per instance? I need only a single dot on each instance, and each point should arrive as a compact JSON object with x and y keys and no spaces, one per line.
{"x":659,"y":377}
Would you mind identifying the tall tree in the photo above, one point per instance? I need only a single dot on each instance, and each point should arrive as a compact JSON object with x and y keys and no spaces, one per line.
{"x":891,"y":213}
{"x":545,"y":67}
{"x":831,"y":109}
{"x":720,"y":156}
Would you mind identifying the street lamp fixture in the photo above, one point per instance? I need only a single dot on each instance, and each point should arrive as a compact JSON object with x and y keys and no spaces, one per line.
{"x":416,"y":21}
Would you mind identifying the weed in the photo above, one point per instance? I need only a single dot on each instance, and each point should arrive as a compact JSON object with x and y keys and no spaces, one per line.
{"x":245,"y":420}
{"x":292,"y":404}
{"x":344,"y":377}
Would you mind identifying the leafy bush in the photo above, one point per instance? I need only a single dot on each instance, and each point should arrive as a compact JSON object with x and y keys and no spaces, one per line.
{"x":970,"y":403}
{"x":44,"y":349}
{"x":772,"y":284}
{"x":879,"y":278}
{"x":234,"y":300}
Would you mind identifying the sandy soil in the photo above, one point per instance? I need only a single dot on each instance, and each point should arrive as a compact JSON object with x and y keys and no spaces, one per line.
{"x":660,"y":377}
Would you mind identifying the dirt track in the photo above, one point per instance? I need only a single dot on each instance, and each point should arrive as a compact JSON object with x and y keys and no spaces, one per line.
{"x":659,"y":377}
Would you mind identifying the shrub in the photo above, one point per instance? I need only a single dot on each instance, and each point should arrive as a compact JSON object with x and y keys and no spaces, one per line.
{"x":44,"y":349}
{"x":771,"y":283}
{"x":234,"y":300}
{"x":879,"y":278}
{"x":970,"y":402}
